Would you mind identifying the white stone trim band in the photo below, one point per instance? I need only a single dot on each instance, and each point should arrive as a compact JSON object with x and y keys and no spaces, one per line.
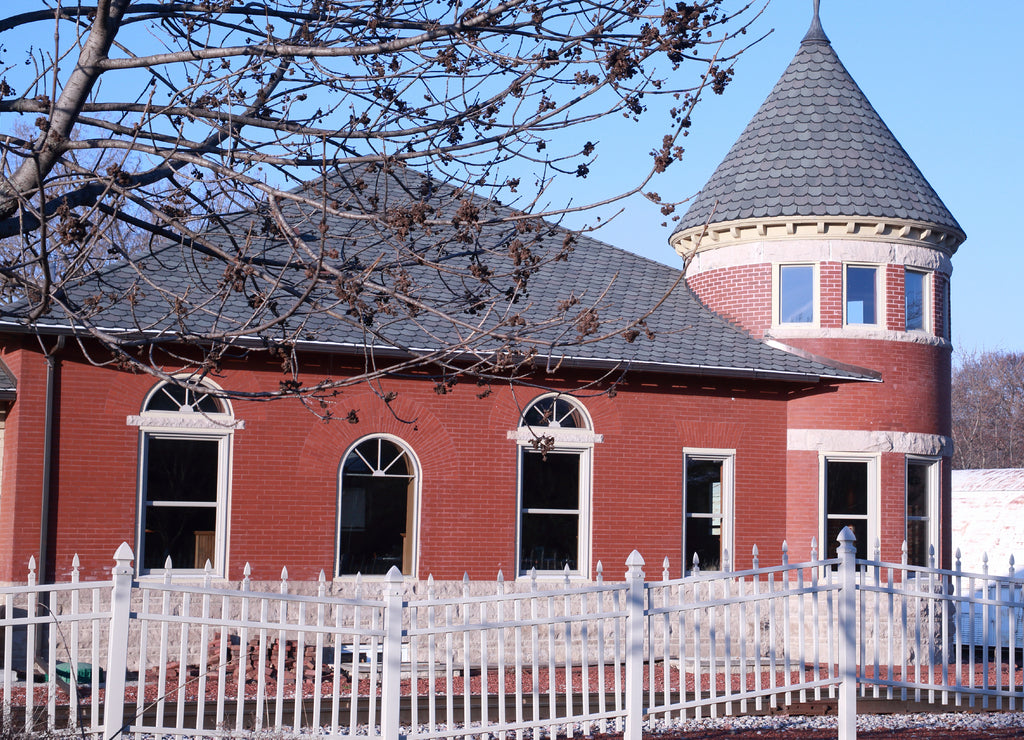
{"x":841,"y":440}
{"x":183,"y":421}
{"x":818,"y":250}
{"x":571,"y":436}
{"x":791,"y":331}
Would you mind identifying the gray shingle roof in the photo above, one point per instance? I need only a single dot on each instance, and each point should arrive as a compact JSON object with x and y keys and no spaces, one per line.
{"x":688,"y":337}
{"x":816,"y":147}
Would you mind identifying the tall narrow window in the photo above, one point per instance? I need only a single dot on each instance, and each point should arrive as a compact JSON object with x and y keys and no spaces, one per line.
{"x":922,"y":502}
{"x":707,"y":507}
{"x":185,"y":454}
{"x":796,"y":294}
{"x":555,"y":445}
{"x":377,"y":511}
{"x":848,"y":496}
{"x":861,"y":294}
{"x":916,"y":298}
{"x":550,"y":522}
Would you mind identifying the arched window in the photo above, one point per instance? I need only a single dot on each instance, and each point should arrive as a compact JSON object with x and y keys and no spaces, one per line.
{"x":377,"y":509}
{"x":555,"y":446}
{"x":184,"y":459}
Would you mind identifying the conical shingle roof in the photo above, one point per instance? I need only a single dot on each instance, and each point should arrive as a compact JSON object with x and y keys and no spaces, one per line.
{"x":817,"y":148}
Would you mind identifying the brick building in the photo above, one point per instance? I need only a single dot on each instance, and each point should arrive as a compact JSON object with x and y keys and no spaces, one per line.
{"x":798,"y":382}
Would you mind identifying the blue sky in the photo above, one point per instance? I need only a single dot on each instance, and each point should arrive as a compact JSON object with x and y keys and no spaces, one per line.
{"x":948,"y":79}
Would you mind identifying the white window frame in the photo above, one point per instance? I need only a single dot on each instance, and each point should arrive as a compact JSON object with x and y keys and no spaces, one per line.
{"x":728,"y":460}
{"x":777,"y":294}
{"x":926,"y":300}
{"x":879,"y":294}
{"x":186,"y":425}
{"x":934,"y":465}
{"x":417,"y":488}
{"x":580,"y":440}
{"x":826,"y":548}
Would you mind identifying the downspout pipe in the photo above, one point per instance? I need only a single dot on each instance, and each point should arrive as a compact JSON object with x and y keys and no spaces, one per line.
{"x":49,"y":430}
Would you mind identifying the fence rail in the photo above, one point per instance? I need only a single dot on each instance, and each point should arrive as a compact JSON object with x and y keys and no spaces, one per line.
{"x":198,"y":659}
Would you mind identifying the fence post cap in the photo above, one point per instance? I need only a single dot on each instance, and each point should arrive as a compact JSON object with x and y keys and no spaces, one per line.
{"x":124,"y":554}
{"x":635,"y":560}
{"x":846,"y":535}
{"x":394,"y":575}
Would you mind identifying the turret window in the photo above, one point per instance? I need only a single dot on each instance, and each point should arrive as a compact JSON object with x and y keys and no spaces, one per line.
{"x":849,"y":498}
{"x":916,"y":297}
{"x":860,"y":293}
{"x":922,"y":505}
{"x":795,"y":300}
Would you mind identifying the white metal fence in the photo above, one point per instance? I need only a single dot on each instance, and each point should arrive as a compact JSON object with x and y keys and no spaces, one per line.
{"x":153,"y":656}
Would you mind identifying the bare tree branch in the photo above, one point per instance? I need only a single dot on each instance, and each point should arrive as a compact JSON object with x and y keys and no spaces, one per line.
{"x":218,"y":178}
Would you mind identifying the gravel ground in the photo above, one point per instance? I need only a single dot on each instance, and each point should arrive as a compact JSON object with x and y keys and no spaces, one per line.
{"x":961,"y":726}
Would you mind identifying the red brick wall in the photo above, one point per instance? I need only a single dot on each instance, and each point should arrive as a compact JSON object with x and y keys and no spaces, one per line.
{"x":913,"y":395}
{"x":22,"y":465}
{"x":283,"y":500}
{"x":742,"y":294}
{"x":895,"y":298}
{"x":284,"y":473}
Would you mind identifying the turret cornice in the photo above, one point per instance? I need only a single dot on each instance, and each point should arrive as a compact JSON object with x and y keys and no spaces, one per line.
{"x":744,"y":231}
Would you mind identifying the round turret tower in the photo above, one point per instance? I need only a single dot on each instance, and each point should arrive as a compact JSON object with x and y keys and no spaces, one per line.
{"x":818,"y":232}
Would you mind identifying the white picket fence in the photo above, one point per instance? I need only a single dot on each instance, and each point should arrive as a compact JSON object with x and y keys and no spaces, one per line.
{"x":165,"y":658}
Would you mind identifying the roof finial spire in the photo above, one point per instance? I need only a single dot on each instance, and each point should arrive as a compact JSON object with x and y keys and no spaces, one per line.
{"x":815,"y":34}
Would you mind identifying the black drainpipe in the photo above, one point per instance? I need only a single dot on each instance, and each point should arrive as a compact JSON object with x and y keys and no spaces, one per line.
{"x":52,"y":380}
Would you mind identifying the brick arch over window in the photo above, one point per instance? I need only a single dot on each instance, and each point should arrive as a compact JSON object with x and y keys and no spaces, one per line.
{"x":378,"y":506}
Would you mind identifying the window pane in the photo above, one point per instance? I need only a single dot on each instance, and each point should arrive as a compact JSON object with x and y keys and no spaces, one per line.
{"x":377,"y":455}
{"x":182,"y":470}
{"x":914,"y":291}
{"x":170,"y":397}
{"x":917,"y":489}
{"x":167,"y":398}
{"x":703,"y":486}
{"x":181,"y":532}
{"x":549,"y":541}
{"x":796,"y":294}
{"x":556,"y":412}
{"x":704,"y":536}
{"x":373,"y":524}
{"x":860,"y":295}
{"x":917,"y":542}
{"x":860,"y":531}
{"x":552,"y":483}
{"x":846,"y":488}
